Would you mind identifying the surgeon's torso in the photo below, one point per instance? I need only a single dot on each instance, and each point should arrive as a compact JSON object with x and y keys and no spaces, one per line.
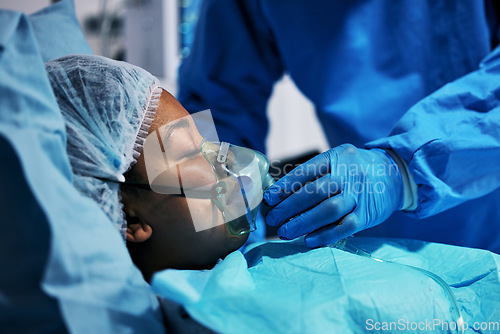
{"x":366,"y":62}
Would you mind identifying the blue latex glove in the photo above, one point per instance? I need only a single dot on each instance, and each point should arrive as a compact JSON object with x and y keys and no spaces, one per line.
{"x":335,"y":194}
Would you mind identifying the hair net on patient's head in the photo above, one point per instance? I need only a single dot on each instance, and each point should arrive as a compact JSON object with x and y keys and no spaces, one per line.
{"x":108,"y":107}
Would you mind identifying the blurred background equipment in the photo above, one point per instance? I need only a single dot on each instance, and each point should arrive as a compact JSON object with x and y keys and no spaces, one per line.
{"x":152,"y":38}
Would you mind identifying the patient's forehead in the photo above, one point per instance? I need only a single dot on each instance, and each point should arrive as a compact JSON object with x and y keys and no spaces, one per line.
{"x":168,"y":110}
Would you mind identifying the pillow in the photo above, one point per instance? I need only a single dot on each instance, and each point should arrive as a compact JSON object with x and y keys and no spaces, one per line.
{"x":63,"y":266}
{"x":58,"y":32}
{"x":23,"y":267}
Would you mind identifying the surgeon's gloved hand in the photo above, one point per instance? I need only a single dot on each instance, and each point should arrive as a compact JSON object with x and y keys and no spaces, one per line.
{"x":335,"y":194}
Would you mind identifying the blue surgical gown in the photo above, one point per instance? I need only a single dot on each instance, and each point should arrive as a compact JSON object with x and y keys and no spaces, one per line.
{"x":419,"y":77}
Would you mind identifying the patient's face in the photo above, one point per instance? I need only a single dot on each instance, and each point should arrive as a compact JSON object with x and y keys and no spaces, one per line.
{"x":174,"y":243}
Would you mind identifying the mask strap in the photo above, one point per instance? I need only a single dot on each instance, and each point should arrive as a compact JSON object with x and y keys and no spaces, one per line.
{"x":224,"y":148}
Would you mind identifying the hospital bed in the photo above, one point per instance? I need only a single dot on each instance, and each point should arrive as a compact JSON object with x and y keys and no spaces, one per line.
{"x":63,"y":267}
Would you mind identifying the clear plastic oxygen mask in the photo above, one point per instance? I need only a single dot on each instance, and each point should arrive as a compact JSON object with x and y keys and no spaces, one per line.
{"x":182,"y":159}
{"x":241,"y":178}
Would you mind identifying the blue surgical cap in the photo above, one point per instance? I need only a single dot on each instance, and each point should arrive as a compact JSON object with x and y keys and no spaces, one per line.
{"x":108,"y":107}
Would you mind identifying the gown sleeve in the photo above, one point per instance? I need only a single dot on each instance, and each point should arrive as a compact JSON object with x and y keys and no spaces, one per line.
{"x":451,"y":140}
{"x":231,"y":70}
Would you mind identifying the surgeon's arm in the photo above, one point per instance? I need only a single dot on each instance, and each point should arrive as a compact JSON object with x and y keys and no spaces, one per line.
{"x":231,"y":70}
{"x":451,"y":140}
{"x":443,"y":152}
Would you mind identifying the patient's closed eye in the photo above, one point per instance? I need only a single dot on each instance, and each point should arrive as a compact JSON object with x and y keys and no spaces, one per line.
{"x":168,"y":129}
{"x":180,"y":140}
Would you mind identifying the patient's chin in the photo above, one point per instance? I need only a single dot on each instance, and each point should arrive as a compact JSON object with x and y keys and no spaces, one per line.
{"x":233,"y":242}
{"x":219,"y":244}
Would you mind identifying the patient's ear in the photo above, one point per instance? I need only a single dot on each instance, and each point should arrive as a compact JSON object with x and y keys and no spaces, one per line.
{"x":138,"y":232}
{"x":137,"y":229}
